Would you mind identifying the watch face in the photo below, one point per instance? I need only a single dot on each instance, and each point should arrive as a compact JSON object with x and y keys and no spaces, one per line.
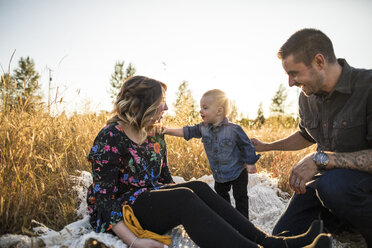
{"x":321,"y":159}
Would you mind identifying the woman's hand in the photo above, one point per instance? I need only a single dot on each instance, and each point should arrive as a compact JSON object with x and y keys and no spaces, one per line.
{"x":148,"y":243}
{"x":126,"y":235}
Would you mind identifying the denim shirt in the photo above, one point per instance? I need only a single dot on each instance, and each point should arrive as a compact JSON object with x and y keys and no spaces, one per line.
{"x":227,"y":148}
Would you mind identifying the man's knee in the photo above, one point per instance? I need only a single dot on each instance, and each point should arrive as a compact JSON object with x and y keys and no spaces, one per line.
{"x":339,"y":189}
{"x":331,"y":189}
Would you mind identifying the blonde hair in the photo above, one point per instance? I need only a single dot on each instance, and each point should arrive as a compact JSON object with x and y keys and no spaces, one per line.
{"x":220,"y":99}
{"x":137,"y":103}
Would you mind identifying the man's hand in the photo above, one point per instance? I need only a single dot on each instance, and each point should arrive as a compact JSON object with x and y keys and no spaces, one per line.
{"x":259,"y":146}
{"x":302,"y":173}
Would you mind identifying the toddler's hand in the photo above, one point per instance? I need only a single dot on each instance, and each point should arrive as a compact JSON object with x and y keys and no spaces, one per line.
{"x":251,"y":168}
{"x":164,"y":130}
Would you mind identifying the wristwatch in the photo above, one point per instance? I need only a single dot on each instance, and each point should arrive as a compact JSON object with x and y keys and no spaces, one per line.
{"x":321,"y":160}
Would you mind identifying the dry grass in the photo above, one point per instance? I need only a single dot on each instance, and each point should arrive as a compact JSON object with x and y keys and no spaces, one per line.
{"x":37,"y":155}
{"x":39,"y":152}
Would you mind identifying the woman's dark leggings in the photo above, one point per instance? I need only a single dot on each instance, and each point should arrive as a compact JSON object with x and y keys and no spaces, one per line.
{"x":208,"y":219}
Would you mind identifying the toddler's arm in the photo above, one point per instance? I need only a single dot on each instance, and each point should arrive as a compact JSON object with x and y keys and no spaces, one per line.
{"x":173,"y":131}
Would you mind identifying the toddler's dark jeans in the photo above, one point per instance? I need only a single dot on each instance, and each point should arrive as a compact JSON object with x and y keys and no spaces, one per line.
{"x":240,"y":192}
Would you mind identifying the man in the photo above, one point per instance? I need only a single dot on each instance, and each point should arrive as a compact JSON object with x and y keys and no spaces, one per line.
{"x":334,"y":183}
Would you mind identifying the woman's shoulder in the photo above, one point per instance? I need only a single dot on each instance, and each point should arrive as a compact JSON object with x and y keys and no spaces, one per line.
{"x":110,"y":132}
{"x":112,"y":128}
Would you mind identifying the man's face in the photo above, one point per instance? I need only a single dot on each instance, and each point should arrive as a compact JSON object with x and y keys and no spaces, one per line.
{"x":309,"y":79}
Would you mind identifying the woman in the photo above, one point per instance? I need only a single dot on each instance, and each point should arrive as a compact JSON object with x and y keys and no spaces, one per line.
{"x":129,"y":167}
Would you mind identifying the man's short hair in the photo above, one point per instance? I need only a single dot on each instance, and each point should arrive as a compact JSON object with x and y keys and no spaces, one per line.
{"x":305,"y":44}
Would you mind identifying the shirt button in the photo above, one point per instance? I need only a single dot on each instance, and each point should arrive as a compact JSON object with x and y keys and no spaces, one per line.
{"x":344,"y":123}
{"x":216,"y":151}
{"x":325,"y":124}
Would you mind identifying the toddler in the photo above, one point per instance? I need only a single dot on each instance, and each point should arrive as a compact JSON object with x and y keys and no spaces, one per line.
{"x":230,"y":152}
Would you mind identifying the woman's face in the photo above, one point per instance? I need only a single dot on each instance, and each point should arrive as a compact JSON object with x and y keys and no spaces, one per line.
{"x":162,"y":107}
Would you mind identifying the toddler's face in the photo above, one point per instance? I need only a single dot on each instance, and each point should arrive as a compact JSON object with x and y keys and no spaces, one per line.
{"x":208,"y":110}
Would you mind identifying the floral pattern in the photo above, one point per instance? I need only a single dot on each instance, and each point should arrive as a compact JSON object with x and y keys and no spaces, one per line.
{"x":121,"y":171}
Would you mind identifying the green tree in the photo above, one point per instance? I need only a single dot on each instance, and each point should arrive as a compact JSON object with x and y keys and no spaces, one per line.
{"x":233,"y":116}
{"x":27,"y":79}
{"x":260,"y":119}
{"x":119,"y":76}
{"x":185,"y":107}
{"x":278,"y":101}
{"x":8,"y":89}
{"x":245,"y":121}
{"x":22,"y":87}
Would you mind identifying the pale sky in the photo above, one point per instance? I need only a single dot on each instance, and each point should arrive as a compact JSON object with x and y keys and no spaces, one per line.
{"x":230,"y":45}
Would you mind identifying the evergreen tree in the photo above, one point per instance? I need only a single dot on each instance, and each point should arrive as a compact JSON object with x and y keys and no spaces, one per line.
{"x":234,"y":112}
{"x":278,"y":101}
{"x":260,"y":119}
{"x":26,"y":77}
{"x":8,"y":88}
{"x":22,"y":87}
{"x":119,"y":76}
{"x":185,"y":107}
{"x":27,"y":84}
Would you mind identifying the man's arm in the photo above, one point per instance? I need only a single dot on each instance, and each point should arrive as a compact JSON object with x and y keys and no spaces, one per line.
{"x":293,"y":142}
{"x":304,"y":171}
{"x":359,"y":160}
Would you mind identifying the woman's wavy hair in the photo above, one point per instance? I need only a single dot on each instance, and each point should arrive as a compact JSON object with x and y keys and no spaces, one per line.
{"x":137,"y":103}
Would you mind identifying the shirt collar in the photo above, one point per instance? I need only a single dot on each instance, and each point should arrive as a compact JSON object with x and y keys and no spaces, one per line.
{"x":344,"y":82}
{"x":223,"y":122}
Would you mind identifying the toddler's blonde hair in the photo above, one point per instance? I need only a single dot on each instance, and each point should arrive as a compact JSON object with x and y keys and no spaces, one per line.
{"x":220,"y":99}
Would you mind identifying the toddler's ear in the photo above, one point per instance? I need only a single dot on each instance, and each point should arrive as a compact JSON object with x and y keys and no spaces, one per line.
{"x":220,"y":110}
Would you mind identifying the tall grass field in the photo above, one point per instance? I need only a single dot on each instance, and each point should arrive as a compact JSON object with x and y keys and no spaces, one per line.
{"x":39,"y":153}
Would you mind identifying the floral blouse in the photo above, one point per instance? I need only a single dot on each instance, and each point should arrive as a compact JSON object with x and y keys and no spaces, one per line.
{"x":121,"y":171}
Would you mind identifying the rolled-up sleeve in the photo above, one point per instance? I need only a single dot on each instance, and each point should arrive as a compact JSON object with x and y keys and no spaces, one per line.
{"x":190,"y":132}
{"x":302,"y":129}
{"x":248,"y":153}
{"x":305,"y":134}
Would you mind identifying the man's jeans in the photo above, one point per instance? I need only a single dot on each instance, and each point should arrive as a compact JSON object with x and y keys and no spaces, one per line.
{"x":340,"y":196}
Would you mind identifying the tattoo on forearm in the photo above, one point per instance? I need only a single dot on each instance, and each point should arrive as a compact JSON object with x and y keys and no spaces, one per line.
{"x":361,"y":160}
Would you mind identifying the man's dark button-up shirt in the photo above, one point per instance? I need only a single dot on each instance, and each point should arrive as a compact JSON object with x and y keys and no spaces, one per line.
{"x":342,"y":120}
